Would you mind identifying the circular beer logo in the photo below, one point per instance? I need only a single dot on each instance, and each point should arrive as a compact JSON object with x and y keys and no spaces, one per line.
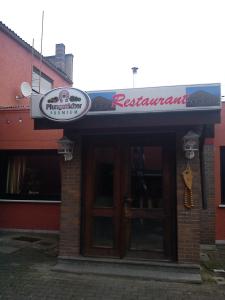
{"x":65,"y":104}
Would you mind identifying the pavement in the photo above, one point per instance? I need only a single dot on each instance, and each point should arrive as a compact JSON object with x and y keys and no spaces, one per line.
{"x":26,"y":272}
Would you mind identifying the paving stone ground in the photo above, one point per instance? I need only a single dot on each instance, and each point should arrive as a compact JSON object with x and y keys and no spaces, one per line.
{"x":26,"y":274}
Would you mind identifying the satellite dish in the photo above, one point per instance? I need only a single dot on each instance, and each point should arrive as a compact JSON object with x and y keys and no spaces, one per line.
{"x":25,"y":89}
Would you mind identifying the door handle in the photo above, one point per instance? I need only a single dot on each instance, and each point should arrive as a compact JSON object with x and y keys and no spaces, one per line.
{"x":127,"y":207}
{"x":127,"y":201}
{"x":127,"y":212}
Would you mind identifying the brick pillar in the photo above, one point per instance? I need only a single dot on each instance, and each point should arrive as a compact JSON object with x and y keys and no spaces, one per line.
{"x":188,"y":220}
{"x":208,"y":212}
{"x":69,"y":245}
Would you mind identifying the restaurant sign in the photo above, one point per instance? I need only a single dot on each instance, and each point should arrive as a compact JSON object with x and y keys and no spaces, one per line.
{"x":65,"y":104}
{"x":68,"y":104}
{"x":157,"y":99}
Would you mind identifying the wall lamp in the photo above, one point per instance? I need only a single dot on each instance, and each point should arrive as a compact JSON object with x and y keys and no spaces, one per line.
{"x":190,"y":144}
{"x":66,"y":147}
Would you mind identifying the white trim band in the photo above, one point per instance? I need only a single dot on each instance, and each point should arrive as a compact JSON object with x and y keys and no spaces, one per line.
{"x":30,"y":201}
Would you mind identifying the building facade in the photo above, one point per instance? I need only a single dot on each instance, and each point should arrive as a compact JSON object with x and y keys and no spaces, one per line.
{"x":29,"y":199}
{"x":136,"y":185}
{"x":131,"y":190}
{"x":219,"y":175}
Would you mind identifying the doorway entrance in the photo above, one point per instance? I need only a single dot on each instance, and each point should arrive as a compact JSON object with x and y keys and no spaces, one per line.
{"x":129,"y":197}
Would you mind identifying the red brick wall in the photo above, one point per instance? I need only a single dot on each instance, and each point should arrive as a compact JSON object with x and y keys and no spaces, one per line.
{"x":208,"y":218}
{"x":219,"y":141}
{"x":70,"y":207}
{"x":188,"y":220}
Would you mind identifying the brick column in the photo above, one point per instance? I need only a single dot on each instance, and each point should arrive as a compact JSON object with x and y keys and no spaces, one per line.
{"x":208,"y":212}
{"x":70,"y":207}
{"x":188,"y":220}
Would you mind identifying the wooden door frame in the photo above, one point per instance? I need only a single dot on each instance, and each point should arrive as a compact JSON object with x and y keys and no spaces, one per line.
{"x":88,"y":193}
{"x":169,"y":195}
{"x":121,"y":141}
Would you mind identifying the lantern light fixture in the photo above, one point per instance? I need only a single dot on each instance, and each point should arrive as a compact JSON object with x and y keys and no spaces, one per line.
{"x":66,"y":147}
{"x":190,"y":144}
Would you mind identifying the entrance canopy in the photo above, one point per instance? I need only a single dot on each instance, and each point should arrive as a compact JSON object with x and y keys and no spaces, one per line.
{"x":171,"y":105}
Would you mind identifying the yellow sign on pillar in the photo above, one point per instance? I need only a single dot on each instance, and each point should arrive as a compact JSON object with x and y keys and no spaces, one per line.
{"x":188,"y":178}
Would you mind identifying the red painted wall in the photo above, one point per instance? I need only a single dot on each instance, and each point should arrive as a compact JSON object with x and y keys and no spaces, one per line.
{"x":16,"y":67}
{"x":220,"y":211}
{"x":34,"y":216}
{"x":16,"y":132}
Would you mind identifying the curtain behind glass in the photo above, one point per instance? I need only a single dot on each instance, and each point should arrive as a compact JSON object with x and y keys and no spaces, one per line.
{"x":15,"y":174}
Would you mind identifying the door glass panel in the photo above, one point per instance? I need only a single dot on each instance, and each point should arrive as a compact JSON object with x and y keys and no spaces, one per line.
{"x":146,"y":235}
{"x":146,"y":177}
{"x":103,"y":232}
{"x":104,"y":177}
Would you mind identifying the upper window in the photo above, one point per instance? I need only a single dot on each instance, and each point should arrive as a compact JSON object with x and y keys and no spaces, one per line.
{"x":41,"y":83}
{"x":222,"y":173}
{"x":30,"y":175}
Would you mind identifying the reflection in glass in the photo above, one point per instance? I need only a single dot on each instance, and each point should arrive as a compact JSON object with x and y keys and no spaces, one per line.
{"x":146,"y":234}
{"x":104,"y":177}
{"x":32,"y":175}
{"x":146,"y":180}
{"x":103,"y":232}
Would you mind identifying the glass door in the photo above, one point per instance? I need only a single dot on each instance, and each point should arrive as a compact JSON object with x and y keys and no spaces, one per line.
{"x":144,"y":214}
{"x":101,"y":195}
{"x":129,"y":198}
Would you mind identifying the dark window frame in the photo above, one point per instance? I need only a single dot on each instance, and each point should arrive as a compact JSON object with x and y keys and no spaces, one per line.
{"x":42,"y":75}
{"x":4,"y":159}
{"x":222,"y":174}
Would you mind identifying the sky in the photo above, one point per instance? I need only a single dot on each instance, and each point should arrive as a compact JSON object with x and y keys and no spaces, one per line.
{"x":171,"y":42}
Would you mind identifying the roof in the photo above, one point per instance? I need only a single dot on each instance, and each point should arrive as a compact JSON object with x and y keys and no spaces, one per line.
{"x":30,"y":49}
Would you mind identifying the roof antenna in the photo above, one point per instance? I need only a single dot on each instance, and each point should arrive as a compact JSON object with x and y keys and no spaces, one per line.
{"x":41,"y":60}
{"x":32,"y":60}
